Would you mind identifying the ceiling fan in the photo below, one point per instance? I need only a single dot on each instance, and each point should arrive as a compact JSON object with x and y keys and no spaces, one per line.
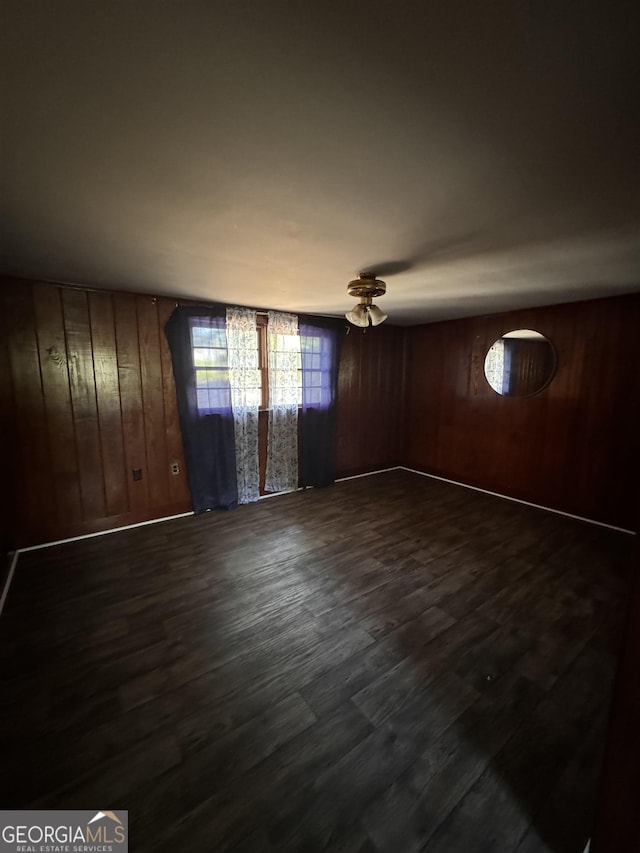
{"x":366,"y":288}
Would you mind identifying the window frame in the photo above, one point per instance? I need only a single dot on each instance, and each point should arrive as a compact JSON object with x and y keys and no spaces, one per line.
{"x":262,"y":326}
{"x":262,"y":330}
{"x":200,"y":368}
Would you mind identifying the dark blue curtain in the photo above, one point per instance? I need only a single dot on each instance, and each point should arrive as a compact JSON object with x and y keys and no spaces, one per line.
{"x":197,"y":339}
{"x":320,"y":344}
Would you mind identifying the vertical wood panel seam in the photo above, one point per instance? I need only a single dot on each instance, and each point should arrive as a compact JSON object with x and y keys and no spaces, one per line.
{"x":144,"y":419}
{"x":124,"y":449}
{"x":167,"y":462}
{"x":98,"y":419}
{"x":71,"y":400}
{"x":12,"y":423}
{"x":32,"y":306}
{"x":73,"y":415}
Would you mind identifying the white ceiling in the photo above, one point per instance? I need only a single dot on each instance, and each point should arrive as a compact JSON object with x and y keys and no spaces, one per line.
{"x":480,"y":156}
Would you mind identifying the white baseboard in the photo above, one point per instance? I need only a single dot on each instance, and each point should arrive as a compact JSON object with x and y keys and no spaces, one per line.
{"x":14,"y":561}
{"x":8,"y":579}
{"x":519,"y":501}
{"x":16,"y":554}
{"x":368,"y":474}
{"x":103,"y":532}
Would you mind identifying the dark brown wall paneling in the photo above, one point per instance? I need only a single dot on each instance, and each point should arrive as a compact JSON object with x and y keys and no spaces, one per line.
{"x":9,"y":441}
{"x":97,"y":401}
{"x":133,"y":428}
{"x":178,"y":486}
{"x":84,"y":405}
{"x":572,"y":447}
{"x":92,"y":398}
{"x":35,"y":492}
{"x":153,"y":400}
{"x":105,"y":363}
{"x":59,"y":416}
{"x":369,"y":399}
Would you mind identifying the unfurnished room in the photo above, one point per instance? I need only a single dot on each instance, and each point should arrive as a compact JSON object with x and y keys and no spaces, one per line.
{"x":319,"y":346}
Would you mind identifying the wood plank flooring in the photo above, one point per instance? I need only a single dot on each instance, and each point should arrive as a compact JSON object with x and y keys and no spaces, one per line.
{"x":390,"y":664}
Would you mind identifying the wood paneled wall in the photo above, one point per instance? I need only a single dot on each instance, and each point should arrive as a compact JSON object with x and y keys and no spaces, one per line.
{"x":93,"y":399}
{"x":87,"y":396}
{"x":8,"y":441}
{"x":370,"y":400}
{"x":573,"y":446}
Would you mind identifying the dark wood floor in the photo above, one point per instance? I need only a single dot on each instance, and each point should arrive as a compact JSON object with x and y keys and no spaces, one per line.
{"x":390,"y":664}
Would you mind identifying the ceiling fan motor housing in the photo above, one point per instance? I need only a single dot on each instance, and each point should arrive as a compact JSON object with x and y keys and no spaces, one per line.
{"x":366,"y":285}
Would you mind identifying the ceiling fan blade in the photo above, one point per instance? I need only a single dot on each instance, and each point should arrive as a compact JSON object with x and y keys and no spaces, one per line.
{"x":431,"y":250}
{"x":386,"y":268}
{"x":449,"y":247}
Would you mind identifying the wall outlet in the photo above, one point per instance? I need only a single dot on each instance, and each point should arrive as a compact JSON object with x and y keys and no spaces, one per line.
{"x":175,"y":467}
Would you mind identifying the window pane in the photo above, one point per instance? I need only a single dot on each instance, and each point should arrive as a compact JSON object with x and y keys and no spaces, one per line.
{"x":311,"y":345}
{"x":205,"y":336}
{"x":200,"y":336}
{"x":213,"y":399}
{"x":252,"y":399}
{"x":212,"y":378}
{"x":207,"y":357}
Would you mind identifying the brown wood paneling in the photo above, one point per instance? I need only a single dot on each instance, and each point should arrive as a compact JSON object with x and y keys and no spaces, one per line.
{"x":8,"y":517}
{"x":178,"y":485}
{"x":348,"y":392}
{"x":35,"y":494}
{"x":105,"y":363}
{"x":369,"y":399}
{"x":83,"y":400}
{"x":153,"y":400}
{"x":74,"y":412}
{"x":128,"y":355}
{"x":572,"y":447}
{"x":59,"y":418}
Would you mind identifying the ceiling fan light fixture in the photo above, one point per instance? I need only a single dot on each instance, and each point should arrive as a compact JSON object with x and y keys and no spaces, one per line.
{"x":365,"y":288}
{"x":358,"y":316}
{"x":376,"y":315}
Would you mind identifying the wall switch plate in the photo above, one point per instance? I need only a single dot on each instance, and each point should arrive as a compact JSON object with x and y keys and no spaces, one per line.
{"x":137,"y":473}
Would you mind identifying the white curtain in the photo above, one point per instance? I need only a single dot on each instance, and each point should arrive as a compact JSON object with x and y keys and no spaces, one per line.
{"x":494,"y":366}
{"x":244,"y":378}
{"x":285,"y":392}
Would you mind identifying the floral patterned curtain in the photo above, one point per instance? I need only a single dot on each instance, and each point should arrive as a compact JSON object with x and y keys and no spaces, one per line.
{"x":244,"y":378}
{"x":285,"y":395}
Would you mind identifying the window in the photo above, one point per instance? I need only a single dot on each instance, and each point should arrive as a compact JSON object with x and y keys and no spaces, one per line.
{"x":285,"y":367}
{"x":209,"y":347}
{"x":210,"y":361}
{"x":494,"y":366}
{"x":315,"y":351}
{"x":220,"y":430}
